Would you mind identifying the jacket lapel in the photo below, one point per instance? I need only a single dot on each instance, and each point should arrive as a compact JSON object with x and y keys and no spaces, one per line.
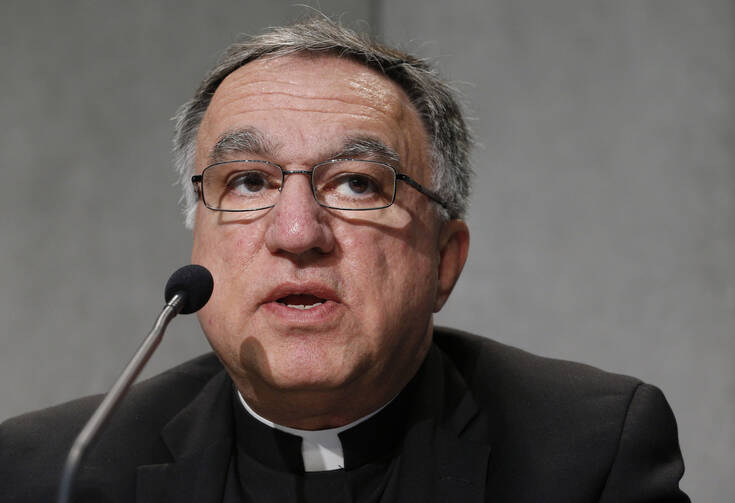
{"x":200,"y":439}
{"x":450,"y":435}
{"x":461,"y":469}
{"x":461,"y":443}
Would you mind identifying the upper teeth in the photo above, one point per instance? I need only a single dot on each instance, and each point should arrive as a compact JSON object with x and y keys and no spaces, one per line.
{"x":302,"y":306}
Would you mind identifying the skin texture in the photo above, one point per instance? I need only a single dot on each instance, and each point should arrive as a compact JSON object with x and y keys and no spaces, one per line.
{"x":384,"y":271}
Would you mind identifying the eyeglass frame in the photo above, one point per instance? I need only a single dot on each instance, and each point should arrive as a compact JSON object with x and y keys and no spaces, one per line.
{"x":198,"y":179}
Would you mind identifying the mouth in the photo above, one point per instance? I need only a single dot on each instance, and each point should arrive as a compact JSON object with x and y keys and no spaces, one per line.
{"x":301,"y":301}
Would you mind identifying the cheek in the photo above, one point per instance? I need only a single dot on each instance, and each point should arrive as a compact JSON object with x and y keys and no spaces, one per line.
{"x":229,"y":253}
{"x":392,"y":276}
{"x":225,"y":249}
{"x":366,"y":256}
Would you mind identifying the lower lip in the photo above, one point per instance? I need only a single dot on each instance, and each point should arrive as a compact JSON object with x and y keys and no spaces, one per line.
{"x":319,"y":314}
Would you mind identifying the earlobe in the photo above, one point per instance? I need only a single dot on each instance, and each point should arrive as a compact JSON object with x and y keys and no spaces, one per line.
{"x":454,"y":244}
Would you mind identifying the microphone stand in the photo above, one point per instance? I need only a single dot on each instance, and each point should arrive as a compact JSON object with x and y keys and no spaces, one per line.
{"x":115,"y":395}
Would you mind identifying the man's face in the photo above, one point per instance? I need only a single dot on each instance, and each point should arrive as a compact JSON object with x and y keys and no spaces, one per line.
{"x":375,"y":276}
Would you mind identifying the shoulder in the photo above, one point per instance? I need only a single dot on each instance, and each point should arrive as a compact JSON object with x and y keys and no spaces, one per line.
{"x":33,"y":446}
{"x":164,"y":392}
{"x":557,"y":421}
{"x":526,"y":390}
{"x":493,"y":370}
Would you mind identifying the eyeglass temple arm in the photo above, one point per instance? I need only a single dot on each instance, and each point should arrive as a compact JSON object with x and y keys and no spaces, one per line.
{"x":194,"y":180}
{"x":428,"y":193}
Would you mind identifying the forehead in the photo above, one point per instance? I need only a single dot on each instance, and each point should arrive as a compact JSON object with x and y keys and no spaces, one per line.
{"x":308,"y":99}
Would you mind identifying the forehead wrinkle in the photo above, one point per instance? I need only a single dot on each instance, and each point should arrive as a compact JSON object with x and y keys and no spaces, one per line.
{"x":356,"y":81}
{"x":315,"y":111}
{"x":393,"y":110}
{"x":362,"y":111}
{"x":338,"y":99}
{"x":372,"y":92}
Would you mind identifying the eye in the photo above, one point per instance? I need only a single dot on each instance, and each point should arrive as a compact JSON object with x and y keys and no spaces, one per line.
{"x":249,"y":182}
{"x":351,"y":184}
{"x":354,"y":184}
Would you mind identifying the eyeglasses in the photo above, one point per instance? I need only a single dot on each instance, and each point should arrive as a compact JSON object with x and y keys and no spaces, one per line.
{"x":340,"y":184}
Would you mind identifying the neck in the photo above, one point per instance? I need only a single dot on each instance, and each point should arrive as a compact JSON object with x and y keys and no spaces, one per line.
{"x":312,"y":410}
{"x":323,"y":409}
{"x":303,"y":432}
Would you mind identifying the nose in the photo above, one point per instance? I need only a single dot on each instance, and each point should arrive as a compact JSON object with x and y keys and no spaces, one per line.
{"x":298,"y":224}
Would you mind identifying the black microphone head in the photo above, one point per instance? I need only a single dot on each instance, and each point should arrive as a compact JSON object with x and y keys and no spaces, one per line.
{"x":195,"y":282}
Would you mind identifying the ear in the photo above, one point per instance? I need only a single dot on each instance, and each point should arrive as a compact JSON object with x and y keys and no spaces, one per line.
{"x":454,"y":244}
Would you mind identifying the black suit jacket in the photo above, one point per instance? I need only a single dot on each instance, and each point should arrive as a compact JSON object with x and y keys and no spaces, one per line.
{"x":508,"y":427}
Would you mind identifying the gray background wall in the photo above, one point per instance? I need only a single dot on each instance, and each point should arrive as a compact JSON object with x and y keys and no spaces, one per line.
{"x":603,"y":219}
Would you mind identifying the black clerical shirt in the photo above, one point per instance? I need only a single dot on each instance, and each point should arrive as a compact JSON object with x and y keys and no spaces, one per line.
{"x":267,"y":463}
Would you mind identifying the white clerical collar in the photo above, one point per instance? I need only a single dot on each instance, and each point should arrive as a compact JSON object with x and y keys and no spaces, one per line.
{"x":321,"y":449}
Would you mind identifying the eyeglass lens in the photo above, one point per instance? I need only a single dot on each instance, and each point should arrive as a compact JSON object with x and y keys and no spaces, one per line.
{"x":342,"y":184}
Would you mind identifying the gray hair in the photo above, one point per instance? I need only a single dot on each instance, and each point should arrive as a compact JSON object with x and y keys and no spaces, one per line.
{"x":433,"y":99}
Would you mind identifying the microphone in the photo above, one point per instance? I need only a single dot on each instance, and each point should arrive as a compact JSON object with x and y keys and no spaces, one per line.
{"x":187,"y":291}
{"x":195,"y":282}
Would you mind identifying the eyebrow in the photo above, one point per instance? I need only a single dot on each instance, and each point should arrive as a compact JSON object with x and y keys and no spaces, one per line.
{"x":241,"y":141}
{"x":366,"y":146}
{"x":252,"y":141}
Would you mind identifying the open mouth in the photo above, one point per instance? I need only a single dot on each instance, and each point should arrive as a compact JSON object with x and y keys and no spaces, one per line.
{"x":301,"y":301}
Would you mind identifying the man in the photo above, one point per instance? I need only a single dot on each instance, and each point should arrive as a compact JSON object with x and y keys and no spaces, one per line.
{"x":325,"y":178}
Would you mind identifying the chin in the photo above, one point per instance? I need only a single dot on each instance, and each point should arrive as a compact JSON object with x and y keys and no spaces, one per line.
{"x":307,"y":370}
{"x":295,"y":379}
